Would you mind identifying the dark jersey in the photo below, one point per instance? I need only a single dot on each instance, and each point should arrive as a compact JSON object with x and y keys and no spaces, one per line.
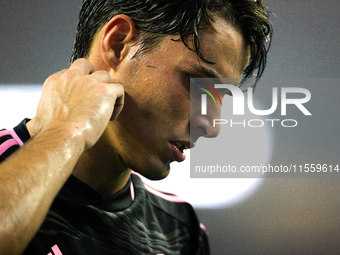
{"x":136,"y":220}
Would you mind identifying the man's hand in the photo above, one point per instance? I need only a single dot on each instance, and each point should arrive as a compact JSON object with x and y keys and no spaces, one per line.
{"x":81,"y":100}
{"x":74,"y":110}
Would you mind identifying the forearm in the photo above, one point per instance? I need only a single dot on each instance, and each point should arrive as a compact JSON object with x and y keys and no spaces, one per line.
{"x":74,"y":109}
{"x":29,"y":182}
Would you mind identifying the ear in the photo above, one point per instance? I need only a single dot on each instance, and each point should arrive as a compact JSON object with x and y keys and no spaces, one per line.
{"x":118,"y":38}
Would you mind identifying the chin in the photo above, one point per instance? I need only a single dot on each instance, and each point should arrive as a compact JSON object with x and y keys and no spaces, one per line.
{"x":154,"y":175}
{"x":157,"y":177}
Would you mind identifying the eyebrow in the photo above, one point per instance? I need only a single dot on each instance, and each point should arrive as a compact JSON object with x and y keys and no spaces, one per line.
{"x":206,"y":72}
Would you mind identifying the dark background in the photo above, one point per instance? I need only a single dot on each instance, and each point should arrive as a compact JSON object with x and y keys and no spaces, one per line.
{"x":283,"y":216}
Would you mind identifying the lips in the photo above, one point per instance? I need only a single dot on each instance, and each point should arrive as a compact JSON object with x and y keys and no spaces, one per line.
{"x":177,"y":148}
{"x":176,"y":153}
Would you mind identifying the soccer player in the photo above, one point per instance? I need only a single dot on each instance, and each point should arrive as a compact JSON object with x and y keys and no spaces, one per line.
{"x":123,"y":105}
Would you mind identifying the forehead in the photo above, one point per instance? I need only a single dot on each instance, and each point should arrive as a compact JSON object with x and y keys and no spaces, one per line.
{"x":226,"y":47}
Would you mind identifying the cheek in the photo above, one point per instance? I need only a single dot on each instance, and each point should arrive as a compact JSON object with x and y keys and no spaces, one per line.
{"x":174,"y":101}
{"x":157,"y":96}
{"x":164,"y":108}
{"x":164,"y":100}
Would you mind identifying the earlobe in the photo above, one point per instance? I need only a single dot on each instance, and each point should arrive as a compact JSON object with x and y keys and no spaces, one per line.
{"x":119,"y":36}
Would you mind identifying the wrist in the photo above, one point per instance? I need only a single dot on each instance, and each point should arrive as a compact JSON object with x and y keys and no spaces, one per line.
{"x":67,"y":138}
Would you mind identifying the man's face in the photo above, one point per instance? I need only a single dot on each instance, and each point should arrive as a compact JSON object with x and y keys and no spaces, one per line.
{"x":156,"y":115}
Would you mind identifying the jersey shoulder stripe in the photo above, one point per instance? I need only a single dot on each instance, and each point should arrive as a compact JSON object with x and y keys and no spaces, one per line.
{"x":11,"y":140}
{"x":164,"y":195}
{"x":7,"y":144}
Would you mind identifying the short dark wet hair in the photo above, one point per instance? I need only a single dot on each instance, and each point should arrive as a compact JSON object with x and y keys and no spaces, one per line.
{"x":156,"y":19}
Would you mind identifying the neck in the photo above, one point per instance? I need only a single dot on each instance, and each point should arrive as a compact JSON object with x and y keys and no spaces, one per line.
{"x":102,"y":169}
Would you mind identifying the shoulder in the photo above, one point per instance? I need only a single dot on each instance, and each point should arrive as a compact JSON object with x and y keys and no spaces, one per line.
{"x":165,"y":201}
{"x":177,"y":209}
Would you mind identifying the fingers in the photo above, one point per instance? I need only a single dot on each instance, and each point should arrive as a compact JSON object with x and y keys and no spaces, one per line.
{"x":102,"y":76}
{"x":83,"y":66}
{"x":119,"y":100}
{"x":83,"y":97}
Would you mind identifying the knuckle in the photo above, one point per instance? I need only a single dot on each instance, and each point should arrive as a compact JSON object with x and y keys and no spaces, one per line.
{"x":103,"y":76}
{"x":80,"y":60}
{"x":51,"y":80}
{"x":71,"y":72}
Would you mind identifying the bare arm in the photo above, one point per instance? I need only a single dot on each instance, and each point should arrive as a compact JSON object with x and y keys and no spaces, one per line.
{"x":74,"y":110}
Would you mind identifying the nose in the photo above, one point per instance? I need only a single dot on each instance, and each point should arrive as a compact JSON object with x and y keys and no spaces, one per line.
{"x":204,"y":125}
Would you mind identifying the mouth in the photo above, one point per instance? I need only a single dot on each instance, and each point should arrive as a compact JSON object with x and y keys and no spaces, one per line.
{"x":177,"y":148}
